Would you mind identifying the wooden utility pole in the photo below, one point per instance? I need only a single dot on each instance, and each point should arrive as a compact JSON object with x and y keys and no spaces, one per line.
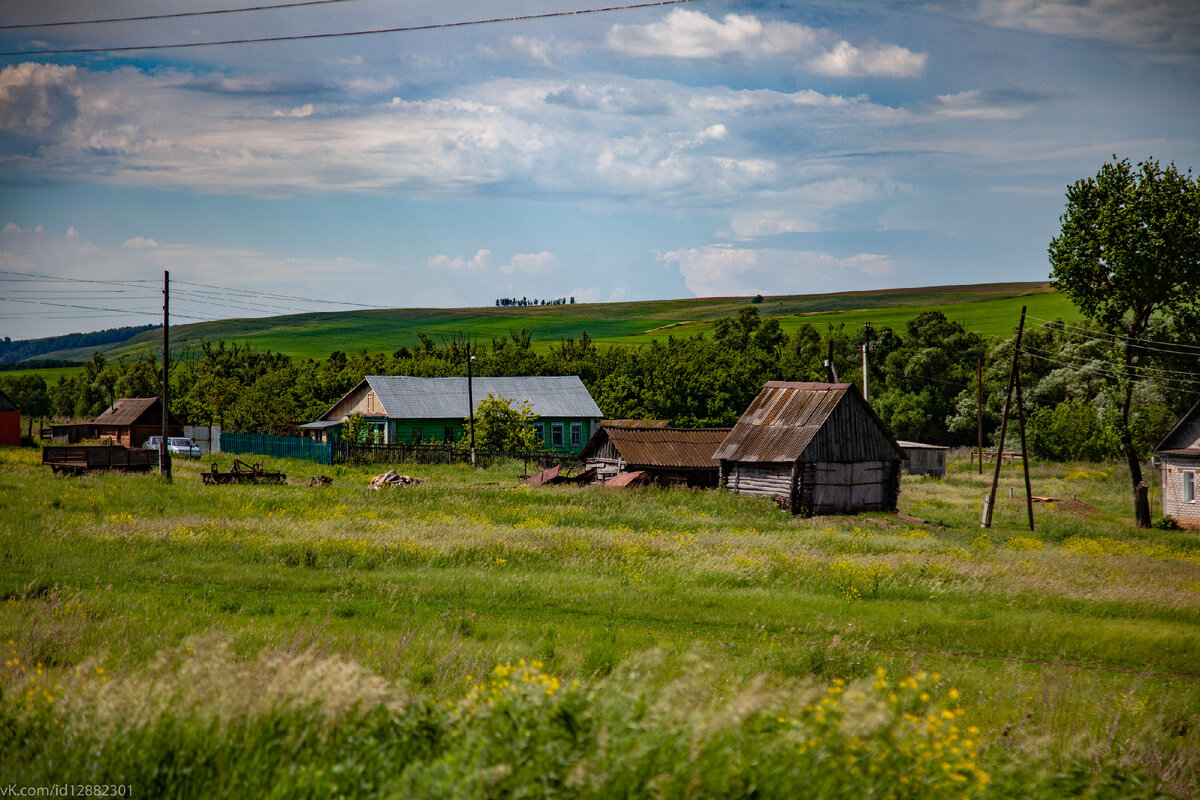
{"x":1024,"y":453}
{"x":830,"y":368}
{"x":164,"y":455}
{"x":470,"y":403}
{"x":866,"y":346}
{"x":989,"y":503}
{"x":979,"y":412}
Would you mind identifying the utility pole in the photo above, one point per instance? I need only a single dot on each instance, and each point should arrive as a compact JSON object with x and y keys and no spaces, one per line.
{"x":164,"y":455}
{"x":830,"y":367}
{"x":989,"y":502}
{"x":867,"y":346}
{"x":1024,"y":453}
{"x":979,"y":412}
{"x":470,"y":403}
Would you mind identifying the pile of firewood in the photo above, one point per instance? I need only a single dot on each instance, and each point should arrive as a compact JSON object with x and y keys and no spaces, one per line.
{"x":392,"y":480}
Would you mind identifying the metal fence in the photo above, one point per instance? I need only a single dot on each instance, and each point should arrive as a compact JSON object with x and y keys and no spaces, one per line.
{"x":353,"y":453}
{"x":263,"y":444}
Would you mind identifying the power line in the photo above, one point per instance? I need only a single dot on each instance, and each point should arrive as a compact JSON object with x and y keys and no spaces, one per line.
{"x":1175,"y":383}
{"x":24,"y":277}
{"x":147,"y":17}
{"x":1113,"y":364}
{"x":1101,"y":335}
{"x":373,"y":31}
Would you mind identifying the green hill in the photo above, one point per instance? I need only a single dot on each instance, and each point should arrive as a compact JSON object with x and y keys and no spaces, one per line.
{"x":992,"y":309}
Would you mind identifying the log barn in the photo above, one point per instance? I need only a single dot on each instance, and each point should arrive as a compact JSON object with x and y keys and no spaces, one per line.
{"x":817,"y":446}
{"x":130,"y":421}
{"x":1179,"y":459}
{"x":669,"y":456}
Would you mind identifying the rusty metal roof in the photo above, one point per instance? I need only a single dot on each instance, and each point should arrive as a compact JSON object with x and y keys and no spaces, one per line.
{"x":627,"y":479}
{"x":545,"y":476}
{"x":687,"y":448}
{"x":820,"y":421}
{"x":636,"y":423}
{"x":126,"y":411}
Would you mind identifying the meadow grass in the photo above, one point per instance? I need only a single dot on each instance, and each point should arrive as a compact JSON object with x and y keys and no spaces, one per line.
{"x":1072,"y":648}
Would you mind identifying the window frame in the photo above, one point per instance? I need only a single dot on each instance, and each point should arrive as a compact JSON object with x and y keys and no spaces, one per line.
{"x":448,"y":434}
{"x":576,"y":438}
{"x":556,"y":435}
{"x":418,"y":436}
{"x":1188,"y":488}
{"x":539,"y":432}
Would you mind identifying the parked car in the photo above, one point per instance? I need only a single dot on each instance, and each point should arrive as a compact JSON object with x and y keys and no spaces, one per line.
{"x":176,"y":446}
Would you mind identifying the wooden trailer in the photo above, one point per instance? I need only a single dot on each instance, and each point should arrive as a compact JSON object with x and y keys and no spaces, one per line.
{"x":78,"y":459}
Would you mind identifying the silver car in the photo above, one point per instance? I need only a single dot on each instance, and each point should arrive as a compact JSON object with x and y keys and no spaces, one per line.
{"x":176,"y":446}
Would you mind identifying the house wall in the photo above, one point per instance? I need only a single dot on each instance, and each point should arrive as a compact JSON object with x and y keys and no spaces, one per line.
{"x":821,"y":487}
{"x":433,"y":431}
{"x":924,"y":461}
{"x":10,"y":428}
{"x":1173,"y":505}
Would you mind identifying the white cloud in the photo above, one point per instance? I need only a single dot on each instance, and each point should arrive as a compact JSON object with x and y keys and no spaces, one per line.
{"x":724,"y":270}
{"x":588,"y":295}
{"x":883,"y":60}
{"x":973,"y":105}
{"x":543,"y":263}
{"x":136,"y":243}
{"x":299,"y":112}
{"x":684,"y":33}
{"x":750,"y":224}
{"x":1173,"y":24}
{"x":478,"y":263}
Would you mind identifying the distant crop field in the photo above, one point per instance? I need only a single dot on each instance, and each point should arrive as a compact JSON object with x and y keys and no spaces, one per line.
{"x":582,"y":642}
{"x":992,"y":309}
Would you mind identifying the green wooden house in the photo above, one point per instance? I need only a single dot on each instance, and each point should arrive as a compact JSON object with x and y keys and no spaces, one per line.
{"x":403,"y":409}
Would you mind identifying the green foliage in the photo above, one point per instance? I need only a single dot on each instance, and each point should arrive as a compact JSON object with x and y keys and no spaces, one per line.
{"x":356,"y":429}
{"x":1071,"y":431}
{"x":499,"y":425}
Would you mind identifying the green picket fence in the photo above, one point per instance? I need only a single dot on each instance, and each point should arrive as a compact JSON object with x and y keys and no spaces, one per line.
{"x":262,"y":444}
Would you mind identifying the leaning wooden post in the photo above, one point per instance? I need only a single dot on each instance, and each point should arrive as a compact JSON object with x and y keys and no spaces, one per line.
{"x":989,"y":502}
{"x":1024,"y":452}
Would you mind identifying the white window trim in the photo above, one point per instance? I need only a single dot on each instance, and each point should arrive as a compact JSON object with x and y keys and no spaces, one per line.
{"x":1187,"y":478}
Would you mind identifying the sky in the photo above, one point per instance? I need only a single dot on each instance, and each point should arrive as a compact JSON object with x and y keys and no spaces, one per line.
{"x":691,"y":149}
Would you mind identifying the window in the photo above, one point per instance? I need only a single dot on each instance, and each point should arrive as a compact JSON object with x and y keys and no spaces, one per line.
{"x":370,"y":402}
{"x":539,"y":433}
{"x":576,"y":434}
{"x":448,"y":434}
{"x":556,"y":435}
{"x":418,"y":435}
{"x":1189,"y":486}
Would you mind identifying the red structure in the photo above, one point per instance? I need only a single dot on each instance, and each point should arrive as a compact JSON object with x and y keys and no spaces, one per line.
{"x":10,"y":422}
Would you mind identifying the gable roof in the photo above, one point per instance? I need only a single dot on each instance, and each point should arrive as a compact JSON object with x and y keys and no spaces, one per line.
{"x":404,"y":397}
{"x":690,"y":448}
{"x":7,"y":404}
{"x":126,"y":411}
{"x":816,"y":421}
{"x":1184,"y":438}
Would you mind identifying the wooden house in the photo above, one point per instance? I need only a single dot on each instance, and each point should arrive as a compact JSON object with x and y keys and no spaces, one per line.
{"x":923,"y":459}
{"x":130,"y":421}
{"x":817,"y":446}
{"x":669,"y":456}
{"x":10,"y":422}
{"x":400,"y":408}
{"x":1179,"y":459}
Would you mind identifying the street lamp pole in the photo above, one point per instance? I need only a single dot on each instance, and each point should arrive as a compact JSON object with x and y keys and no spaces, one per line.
{"x":470,"y":403}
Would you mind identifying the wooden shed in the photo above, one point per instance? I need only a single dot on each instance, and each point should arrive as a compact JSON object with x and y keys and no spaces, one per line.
{"x":10,"y":422}
{"x":923,"y":459}
{"x":130,"y":421}
{"x":817,"y":446}
{"x":669,"y":456}
{"x":1179,"y":458}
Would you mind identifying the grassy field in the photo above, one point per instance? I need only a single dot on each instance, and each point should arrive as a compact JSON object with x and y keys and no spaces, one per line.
{"x":470,"y":637}
{"x":992,"y":309}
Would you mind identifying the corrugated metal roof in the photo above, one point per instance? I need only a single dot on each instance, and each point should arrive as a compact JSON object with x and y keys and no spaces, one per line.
{"x":125,"y":411}
{"x":627,"y":479}
{"x":405,"y":397}
{"x":919,"y":446}
{"x":636,"y":423}
{"x":785,"y":418}
{"x":688,"y":448}
{"x":320,"y":424}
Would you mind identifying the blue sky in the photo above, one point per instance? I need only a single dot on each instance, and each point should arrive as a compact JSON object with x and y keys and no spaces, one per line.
{"x":707,"y":148}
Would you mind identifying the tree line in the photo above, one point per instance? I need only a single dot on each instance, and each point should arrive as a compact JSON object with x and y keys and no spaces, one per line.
{"x":923,"y":379}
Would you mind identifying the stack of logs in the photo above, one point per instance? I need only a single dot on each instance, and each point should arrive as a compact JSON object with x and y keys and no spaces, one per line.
{"x":392,"y":480}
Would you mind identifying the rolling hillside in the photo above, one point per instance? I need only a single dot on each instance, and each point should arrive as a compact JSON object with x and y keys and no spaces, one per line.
{"x":992,"y":309}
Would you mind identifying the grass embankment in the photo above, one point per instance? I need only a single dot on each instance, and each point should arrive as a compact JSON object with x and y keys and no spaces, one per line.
{"x":991,"y":309}
{"x":716,"y":640}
